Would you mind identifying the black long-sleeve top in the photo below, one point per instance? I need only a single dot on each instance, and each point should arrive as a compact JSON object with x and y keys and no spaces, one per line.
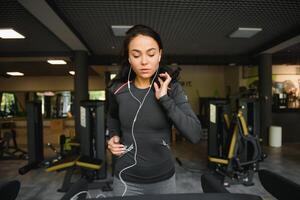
{"x":152,"y":130}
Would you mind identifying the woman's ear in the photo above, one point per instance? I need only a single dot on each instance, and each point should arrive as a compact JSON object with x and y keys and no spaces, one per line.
{"x":160,"y":53}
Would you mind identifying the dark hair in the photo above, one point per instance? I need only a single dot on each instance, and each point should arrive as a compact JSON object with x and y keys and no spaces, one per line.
{"x":136,"y":30}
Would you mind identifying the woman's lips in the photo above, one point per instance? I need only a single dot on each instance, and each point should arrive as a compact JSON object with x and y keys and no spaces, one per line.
{"x":145,"y":71}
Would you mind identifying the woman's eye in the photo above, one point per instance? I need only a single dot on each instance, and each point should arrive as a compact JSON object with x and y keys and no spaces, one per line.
{"x":151,"y":55}
{"x":135,"y":56}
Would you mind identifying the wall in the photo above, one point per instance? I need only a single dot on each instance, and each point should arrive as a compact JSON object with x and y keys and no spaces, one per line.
{"x":231,"y":79}
{"x":244,"y":82}
{"x":46,"y":83}
{"x":202,"y":81}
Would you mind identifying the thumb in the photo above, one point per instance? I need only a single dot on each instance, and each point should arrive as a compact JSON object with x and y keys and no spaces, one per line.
{"x":116,"y":139}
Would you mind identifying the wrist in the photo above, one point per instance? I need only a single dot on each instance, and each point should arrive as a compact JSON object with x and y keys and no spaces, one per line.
{"x":163,"y":97}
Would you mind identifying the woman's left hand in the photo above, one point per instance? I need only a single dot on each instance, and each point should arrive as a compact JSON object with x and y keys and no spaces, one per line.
{"x":164,"y":81}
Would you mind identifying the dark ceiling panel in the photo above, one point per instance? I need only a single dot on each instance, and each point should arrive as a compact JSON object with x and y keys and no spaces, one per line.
{"x":190,"y":27}
{"x":38,"y":38}
{"x":38,"y":68}
{"x":292,"y":49}
{"x":290,"y":55}
{"x":193,"y":31}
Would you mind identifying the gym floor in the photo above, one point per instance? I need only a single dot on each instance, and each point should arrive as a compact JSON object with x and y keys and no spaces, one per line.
{"x":39,"y":184}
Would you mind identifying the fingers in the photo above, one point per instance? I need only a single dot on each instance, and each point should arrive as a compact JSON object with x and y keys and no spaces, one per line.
{"x":166,"y":77}
{"x":164,"y":81}
{"x":117,"y":152}
{"x":115,"y":147}
{"x":161,"y":82}
{"x":116,"y":139}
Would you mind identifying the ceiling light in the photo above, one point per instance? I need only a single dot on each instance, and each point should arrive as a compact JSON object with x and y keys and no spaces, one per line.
{"x":15,"y":73}
{"x":232,"y":64}
{"x":72,"y":73}
{"x":49,"y":93}
{"x":120,"y":30}
{"x":57,"y":62}
{"x":245,"y":32}
{"x":9,"y":33}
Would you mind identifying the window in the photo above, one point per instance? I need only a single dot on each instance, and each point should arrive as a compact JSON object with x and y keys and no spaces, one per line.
{"x":97,"y":95}
{"x":55,"y":105}
{"x":8,"y":105}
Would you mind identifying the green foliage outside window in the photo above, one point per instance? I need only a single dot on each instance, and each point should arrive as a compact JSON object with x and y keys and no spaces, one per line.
{"x":97,"y":95}
{"x":8,"y":105}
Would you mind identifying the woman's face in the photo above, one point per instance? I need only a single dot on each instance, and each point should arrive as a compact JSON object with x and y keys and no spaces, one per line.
{"x":144,"y":56}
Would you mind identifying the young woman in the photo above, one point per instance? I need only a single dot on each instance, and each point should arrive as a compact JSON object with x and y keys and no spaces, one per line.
{"x":143,"y":105}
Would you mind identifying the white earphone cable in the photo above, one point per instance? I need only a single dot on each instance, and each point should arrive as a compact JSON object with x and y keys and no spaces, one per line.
{"x":132,"y":127}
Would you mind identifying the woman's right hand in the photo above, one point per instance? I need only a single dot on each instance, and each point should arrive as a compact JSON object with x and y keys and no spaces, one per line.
{"x":115,"y":147}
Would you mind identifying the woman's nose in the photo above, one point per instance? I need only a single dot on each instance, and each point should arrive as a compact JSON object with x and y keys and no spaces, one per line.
{"x":144,"y":60}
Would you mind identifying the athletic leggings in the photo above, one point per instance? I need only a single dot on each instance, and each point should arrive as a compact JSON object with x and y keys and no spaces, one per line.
{"x":163,"y":187}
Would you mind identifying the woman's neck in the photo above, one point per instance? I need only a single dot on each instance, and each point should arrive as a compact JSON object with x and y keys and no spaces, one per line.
{"x":141,"y":83}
